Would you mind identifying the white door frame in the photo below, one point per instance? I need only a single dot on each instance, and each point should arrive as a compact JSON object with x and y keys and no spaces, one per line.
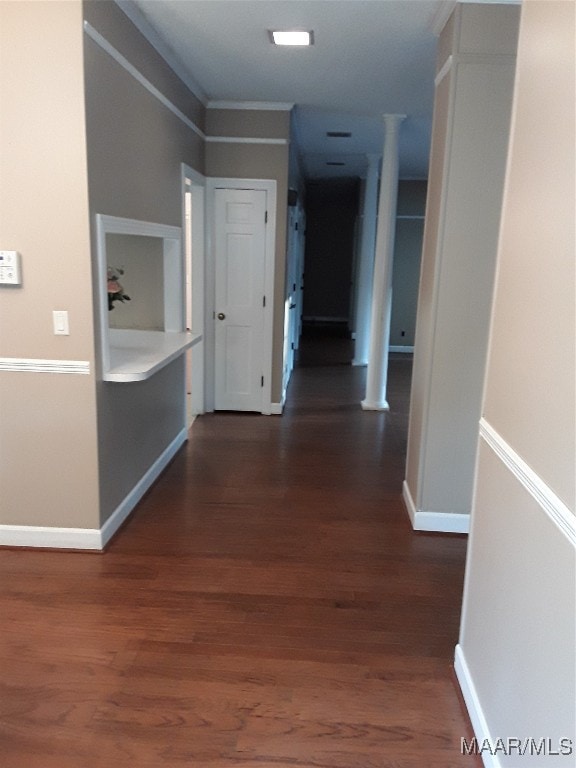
{"x":195,"y":182}
{"x":268,"y":186}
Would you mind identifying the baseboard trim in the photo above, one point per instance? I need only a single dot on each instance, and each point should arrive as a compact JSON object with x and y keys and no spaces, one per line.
{"x":474,"y":707}
{"x":41,"y":537}
{"x":400,"y":348}
{"x":121,"y":512}
{"x":434,"y":522}
{"x":277,"y":409}
{"x":89,"y":538}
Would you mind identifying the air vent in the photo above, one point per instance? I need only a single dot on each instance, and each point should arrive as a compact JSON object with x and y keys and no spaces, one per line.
{"x":338,"y":134}
{"x":332,"y":162}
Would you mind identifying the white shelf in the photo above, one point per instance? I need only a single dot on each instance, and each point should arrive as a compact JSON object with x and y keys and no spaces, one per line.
{"x":138,"y":355}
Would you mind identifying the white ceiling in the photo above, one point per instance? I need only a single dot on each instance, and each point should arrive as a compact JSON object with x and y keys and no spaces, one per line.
{"x":369,"y":57}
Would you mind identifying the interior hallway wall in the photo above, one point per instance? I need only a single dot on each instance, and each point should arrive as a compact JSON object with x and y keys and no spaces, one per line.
{"x":331,"y":213}
{"x":48,"y":438}
{"x":473,"y":100}
{"x":136,"y":146}
{"x":516,"y":658}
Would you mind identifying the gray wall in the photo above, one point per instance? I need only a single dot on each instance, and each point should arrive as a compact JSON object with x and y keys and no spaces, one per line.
{"x":331,"y":212}
{"x":468,"y":155}
{"x":135,"y":150}
{"x":518,"y":625}
{"x":407,"y":257}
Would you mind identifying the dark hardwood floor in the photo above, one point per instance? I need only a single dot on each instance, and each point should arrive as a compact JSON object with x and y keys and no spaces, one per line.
{"x":266,"y":606}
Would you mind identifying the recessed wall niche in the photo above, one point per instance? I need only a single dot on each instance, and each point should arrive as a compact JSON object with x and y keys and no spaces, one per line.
{"x":141,"y":260}
{"x":141,"y":336}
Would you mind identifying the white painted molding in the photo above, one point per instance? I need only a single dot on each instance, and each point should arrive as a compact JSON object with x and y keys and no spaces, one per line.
{"x":475,"y":712}
{"x":277,"y":409}
{"x":244,"y":140}
{"x":137,"y":75}
{"x":443,"y":13}
{"x":375,"y":405}
{"x":444,"y":69}
{"x":32,"y":365}
{"x":90,"y":538}
{"x":146,"y":29}
{"x":550,"y":503}
{"x":434,"y":522}
{"x":125,"y":507}
{"x":51,"y":538}
{"x":257,"y":106}
{"x":401,"y":348}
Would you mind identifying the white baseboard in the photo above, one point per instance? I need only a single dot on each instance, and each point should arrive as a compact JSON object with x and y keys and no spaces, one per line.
{"x":51,"y":538}
{"x":439,"y":522}
{"x":474,"y":707}
{"x":276,"y":409}
{"x":89,"y":538}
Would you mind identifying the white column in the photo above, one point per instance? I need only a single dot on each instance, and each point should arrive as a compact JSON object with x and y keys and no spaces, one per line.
{"x":377,"y":374}
{"x":366,"y":265}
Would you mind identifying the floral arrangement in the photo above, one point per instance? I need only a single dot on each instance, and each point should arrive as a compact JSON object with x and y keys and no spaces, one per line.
{"x":115,"y":288}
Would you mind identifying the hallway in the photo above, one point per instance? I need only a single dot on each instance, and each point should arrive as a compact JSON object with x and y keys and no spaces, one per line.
{"x":267,"y":606}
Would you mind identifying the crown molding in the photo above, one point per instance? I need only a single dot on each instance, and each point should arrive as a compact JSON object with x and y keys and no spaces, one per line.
{"x":258,"y":106}
{"x":443,"y":13}
{"x":163,"y":49}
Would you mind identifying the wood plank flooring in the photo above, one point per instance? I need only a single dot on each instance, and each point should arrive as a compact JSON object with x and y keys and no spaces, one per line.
{"x":266,"y":606}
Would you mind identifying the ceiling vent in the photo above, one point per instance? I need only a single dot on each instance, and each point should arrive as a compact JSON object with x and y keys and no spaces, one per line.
{"x":333,"y":162}
{"x":338,"y":134}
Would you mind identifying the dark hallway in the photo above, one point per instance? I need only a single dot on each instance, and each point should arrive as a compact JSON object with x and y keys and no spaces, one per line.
{"x":267,"y":606}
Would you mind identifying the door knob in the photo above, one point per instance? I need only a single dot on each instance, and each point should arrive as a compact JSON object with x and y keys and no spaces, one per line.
{"x":221,"y":316}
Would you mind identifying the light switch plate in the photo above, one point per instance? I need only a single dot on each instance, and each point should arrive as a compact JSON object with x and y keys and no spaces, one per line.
{"x":60,"y":321}
{"x":10,"y":272}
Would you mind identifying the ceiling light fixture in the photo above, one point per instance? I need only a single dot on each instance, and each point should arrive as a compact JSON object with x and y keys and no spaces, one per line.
{"x":291,"y":37}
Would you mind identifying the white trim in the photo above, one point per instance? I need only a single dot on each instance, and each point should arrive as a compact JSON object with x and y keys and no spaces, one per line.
{"x":401,"y":348}
{"x":32,"y":365}
{"x":270,"y":187}
{"x":475,"y":712}
{"x":550,"y":503}
{"x":375,"y":405}
{"x":145,"y":28}
{"x":173,"y":267}
{"x":257,"y":106}
{"x":137,"y":75}
{"x":443,"y":71}
{"x":443,"y":13}
{"x":89,"y":538}
{"x":125,"y":507}
{"x":116,"y":225}
{"x":52,"y":538}
{"x":244,"y":140}
{"x":194,"y":183}
{"x":277,"y":409}
{"x":434,"y":522}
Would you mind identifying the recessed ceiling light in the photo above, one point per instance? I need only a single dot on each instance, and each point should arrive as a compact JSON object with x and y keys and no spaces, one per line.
{"x":291,"y":37}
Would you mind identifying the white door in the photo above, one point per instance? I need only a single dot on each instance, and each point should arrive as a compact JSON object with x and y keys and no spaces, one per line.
{"x":240,"y":262}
